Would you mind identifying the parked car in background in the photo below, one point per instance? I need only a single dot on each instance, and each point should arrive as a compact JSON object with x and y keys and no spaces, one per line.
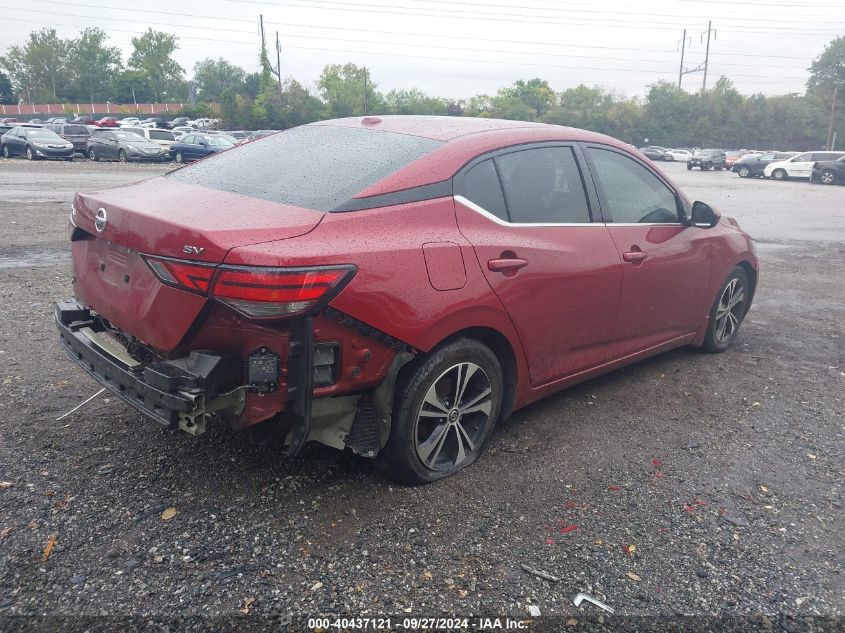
{"x":75,"y":133}
{"x":107,"y":121}
{"x":163,"y":138}
{"x":36,"y":121}
{"x":239,"y":135}
{"x":829,"y":172}
{"x":179,"y":121}
{"x":153,"y":122}
{"x":179,"y":132}
{"x":35,"y":143}
{"x":706,"y":159}
{"x":682,"y":155}
{"x":56,"y":119}
{"x":655,"y":152}
{"x":84,"y":119}
{"x":753,"y":165}
{"x":205,"y":123}
{"x":260,"y":134}
{"x":733,"y":155}
{"x":9,"y":120}
{"x":198,"y":145}
{"x":800,"y":166}
{"x":294,"y":282}
{"x":123,"y":146}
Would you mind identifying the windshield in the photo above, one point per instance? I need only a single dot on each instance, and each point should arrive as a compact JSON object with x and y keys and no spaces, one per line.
{"x":316,"y":166}
{"x":704,"y":152}
{"x":42,"y":134}
{"x":129,"y":136}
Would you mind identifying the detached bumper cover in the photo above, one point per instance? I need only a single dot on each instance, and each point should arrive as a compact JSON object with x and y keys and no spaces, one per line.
{"x":165,"y":391}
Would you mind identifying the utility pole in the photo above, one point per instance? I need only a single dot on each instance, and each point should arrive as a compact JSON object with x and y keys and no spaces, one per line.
{"x":683,"y":50}
{"x":261,"y":21}
{"x":831,"y":137}
{"x":365,"y":91}
{"x":707,"y":55}
{"x":279,"y":61}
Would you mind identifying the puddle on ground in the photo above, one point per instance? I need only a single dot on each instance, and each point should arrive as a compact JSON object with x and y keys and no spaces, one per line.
{"x":34,"y":260}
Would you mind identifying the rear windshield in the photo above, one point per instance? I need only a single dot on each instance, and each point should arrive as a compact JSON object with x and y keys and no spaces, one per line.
{"x":76,"y":129}
{"x":315,"y":166}
{"x":161,"y":135}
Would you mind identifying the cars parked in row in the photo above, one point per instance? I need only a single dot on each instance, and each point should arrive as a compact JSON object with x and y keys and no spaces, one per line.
{"x":799,"y":166}
{"x":74,"y":133}
{"x":754,"y":165}
{"x":829,"y":172}
{"x":656,"y":152}
{"x":707,"y":159}
{"x":397,"y":290}
{"x":163,"y":138}
{"x":35,"y":143}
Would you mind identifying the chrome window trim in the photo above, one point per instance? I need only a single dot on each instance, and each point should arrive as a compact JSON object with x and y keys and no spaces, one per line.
{"x":482,"y":211}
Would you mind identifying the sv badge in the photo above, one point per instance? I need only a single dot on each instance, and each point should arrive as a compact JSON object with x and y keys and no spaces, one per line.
{"x":192,"y":250}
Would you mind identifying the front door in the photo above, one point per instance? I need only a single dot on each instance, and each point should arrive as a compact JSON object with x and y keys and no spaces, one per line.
{"x":665,"y":262}
{"x":555,"y":270}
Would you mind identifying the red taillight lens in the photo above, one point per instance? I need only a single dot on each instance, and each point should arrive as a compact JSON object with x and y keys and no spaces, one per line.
{"x":269,"y":293}
{"x":181,"y":274}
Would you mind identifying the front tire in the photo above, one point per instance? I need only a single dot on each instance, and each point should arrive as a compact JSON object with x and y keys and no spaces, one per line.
{"x":728,"y":311}
{"x":743,"y":172}
{"x":121,"y":156}
{"x":779,"y":174}
{"x":179,"y":158}
{"x":444,"y":412}
{"x":30,"y":155}
{"x":6,"y":152}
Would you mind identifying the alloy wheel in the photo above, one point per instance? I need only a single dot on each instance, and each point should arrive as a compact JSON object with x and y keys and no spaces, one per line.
{"x":827,"y":177}
{"x":730,"y":311}
{"x":453,"y":417}
{"x":6,"y":151}
{"x":744,"y":171}
{"x":779,"y":174}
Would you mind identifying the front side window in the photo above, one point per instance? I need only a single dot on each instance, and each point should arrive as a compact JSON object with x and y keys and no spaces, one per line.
{"x":543,"y":186}
{"x":632,"y":193}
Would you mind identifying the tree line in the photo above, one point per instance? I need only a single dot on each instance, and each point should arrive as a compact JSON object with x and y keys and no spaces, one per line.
{"x":48,"y":68}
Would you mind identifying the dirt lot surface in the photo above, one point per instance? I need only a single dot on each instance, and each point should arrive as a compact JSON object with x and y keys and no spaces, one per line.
{"x":696,"y":484}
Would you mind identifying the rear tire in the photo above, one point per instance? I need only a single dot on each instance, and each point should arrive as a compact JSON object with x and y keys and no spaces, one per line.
{"x":743,"y":172}
{"x":779,"y":174}
{"x":828,"y":177}
{"x":121,"y":156}
{"x":445,"y":410}
{"x":30,"y":155}
{"x":179,"y":158}
{"x":728,"y":311}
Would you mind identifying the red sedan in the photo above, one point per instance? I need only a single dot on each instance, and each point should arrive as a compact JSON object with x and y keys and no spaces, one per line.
{"x":107,"y":121}
{"x":394,"y":285}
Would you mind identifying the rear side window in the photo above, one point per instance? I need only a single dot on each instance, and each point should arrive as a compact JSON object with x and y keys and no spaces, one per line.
{"x":315,"y":166}
{"x":481,"y":186}
{"x":161,"y":135}
{"x":630,"y":191}
{"x":543,"y":186}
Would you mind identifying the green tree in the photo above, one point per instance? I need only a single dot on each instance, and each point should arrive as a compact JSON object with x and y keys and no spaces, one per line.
{"x":132,"y":86}
{"x":39,"y":69}
{"x":414,"y":101}
{"x":215,"y":77}
{"x":7,"y":94}
{"x":827,"y":76}
{"x":153,"y":54}
{"x":93,"y":64}
{"x":535,"y":94}
{"x":342,"y":89}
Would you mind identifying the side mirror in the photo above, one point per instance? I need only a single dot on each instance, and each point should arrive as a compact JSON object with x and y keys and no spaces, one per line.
{"x":703,"y":215}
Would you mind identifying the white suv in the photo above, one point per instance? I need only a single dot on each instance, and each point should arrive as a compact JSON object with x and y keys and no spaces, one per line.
{"x":800,"y":166}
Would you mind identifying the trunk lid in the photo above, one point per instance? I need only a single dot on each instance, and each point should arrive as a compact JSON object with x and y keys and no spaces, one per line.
{"x":163,"y":217}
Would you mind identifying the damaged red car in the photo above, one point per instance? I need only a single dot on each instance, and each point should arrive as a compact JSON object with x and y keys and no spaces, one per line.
{"x":394,"y":285}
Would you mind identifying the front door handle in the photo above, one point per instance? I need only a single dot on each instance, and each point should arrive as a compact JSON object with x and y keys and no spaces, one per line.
{"x":506,"y":265}
{"x":635,"y":257}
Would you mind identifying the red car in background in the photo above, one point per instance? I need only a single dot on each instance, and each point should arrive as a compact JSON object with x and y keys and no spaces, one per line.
{"x":394,"y":285}
{"x":107,"y":121}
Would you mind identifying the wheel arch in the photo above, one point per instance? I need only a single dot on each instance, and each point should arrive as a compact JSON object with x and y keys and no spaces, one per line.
{"x":751,"y":272}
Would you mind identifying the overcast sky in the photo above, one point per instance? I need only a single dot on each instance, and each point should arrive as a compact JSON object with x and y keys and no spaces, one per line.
{"x":462,"y":48}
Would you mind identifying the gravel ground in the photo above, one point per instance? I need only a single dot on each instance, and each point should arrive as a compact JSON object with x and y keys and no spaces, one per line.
{"x":687,"y":485}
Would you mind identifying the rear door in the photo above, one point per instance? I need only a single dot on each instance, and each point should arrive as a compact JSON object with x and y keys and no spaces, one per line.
{"x":665,"y":263}
{"x":545,"y":252}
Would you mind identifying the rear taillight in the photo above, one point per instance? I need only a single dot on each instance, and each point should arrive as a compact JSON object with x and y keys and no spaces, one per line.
{"x":188,"y":276}
{"x":272,"y":293}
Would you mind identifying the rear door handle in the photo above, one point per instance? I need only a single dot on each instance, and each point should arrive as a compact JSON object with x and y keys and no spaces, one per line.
{"x":634,"y":257}
{"x":506,"y":265}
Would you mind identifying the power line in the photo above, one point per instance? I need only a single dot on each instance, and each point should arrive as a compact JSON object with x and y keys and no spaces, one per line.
{"x":392,"y":32}
{"x":442,"y":47}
